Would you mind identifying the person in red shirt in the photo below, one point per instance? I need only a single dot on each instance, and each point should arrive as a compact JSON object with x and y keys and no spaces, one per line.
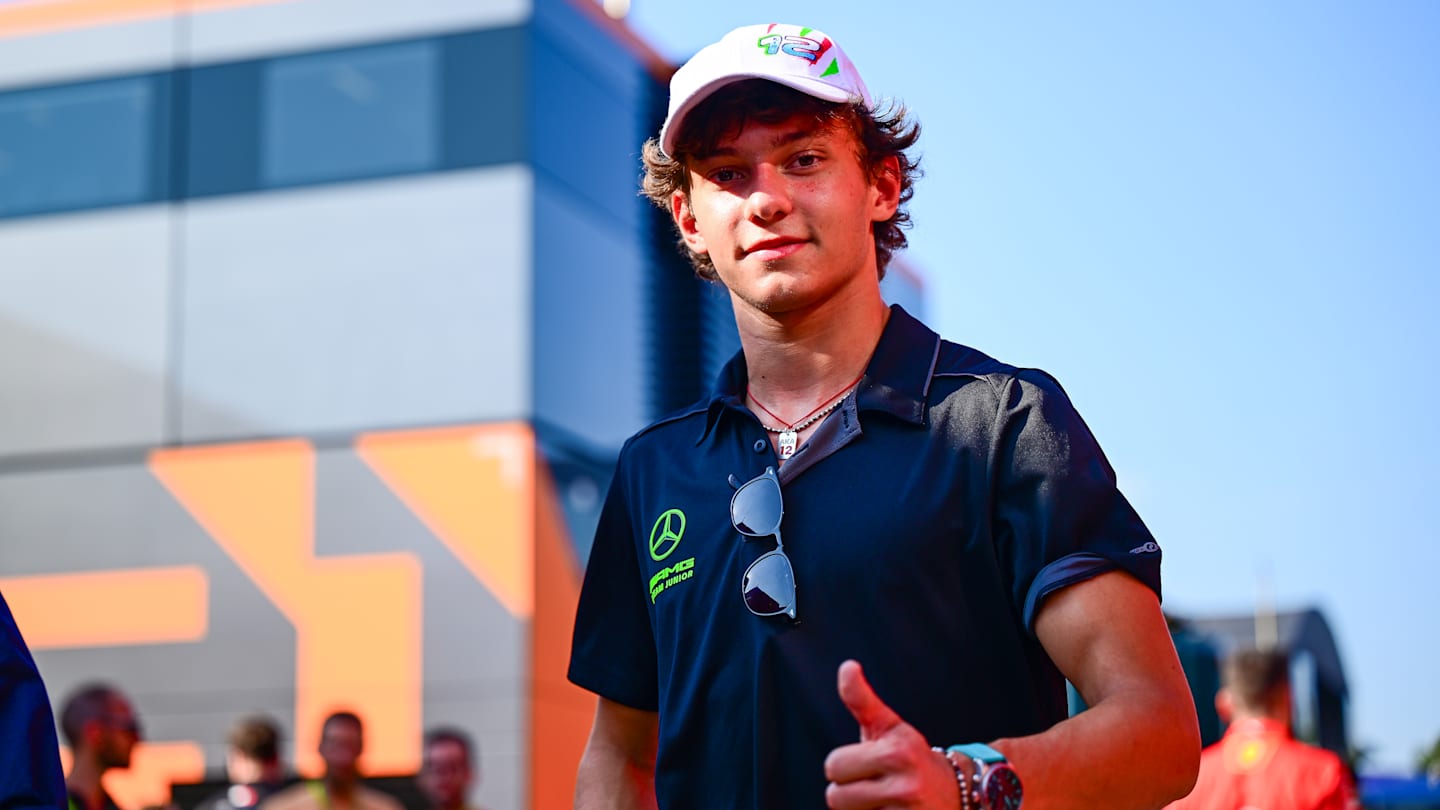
{"x":1258,"y":765}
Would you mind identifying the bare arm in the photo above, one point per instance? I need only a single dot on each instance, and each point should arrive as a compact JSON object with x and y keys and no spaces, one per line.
{"x":1138,"y":745}
{"x":618,"y":768}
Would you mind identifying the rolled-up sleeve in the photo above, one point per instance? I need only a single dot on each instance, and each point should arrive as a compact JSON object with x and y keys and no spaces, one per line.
{"x":1060,"y":516}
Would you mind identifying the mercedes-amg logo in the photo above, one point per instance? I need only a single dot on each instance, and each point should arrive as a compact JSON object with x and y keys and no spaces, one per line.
{"x":666,"y":534}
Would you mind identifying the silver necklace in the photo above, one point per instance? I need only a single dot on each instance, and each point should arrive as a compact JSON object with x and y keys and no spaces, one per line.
{"x":790,"y":436}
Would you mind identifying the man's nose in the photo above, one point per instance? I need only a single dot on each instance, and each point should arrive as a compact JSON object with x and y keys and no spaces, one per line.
{"x":769,"y":198}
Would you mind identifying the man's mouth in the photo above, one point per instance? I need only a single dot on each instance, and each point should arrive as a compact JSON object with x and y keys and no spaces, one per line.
{"x":772,"y":249}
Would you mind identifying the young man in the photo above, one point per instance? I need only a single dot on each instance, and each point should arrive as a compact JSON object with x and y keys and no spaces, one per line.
{"x":940,"y":517}
{"x":342,"y":741}
{"x":447,"y":769}
{"x":1257,"y":763}
{"x":100,"y":725}
{"x":252,"y":764}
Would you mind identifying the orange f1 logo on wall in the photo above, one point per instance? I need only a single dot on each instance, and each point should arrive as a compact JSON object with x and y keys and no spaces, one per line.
{"x":359,"y":634}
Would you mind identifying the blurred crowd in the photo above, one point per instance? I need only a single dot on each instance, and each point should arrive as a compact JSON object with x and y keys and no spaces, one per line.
{"x":101,"y":727}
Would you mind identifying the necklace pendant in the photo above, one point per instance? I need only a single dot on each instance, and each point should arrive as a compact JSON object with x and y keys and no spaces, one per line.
{"x":789,"y":439}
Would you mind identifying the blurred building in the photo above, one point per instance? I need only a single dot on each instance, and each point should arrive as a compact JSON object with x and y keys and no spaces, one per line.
{"x":321,"y":322}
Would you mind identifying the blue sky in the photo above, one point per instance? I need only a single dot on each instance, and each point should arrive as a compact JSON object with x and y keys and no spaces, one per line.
{"x":1219,"y":225}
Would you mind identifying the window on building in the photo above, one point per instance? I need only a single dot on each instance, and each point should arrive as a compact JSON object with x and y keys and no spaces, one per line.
{"x":80,"y":146}
{"x":354,"y":113}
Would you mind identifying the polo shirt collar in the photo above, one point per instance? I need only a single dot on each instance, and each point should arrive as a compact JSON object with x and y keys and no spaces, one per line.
{"x":896,"y":381}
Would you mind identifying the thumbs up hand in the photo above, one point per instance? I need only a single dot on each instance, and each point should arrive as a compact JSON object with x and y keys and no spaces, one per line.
{"x":892,"y":765}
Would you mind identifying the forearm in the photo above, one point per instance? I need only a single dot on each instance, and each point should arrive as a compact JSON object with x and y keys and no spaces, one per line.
{"x":607,"y":780}
{"x":617,"y":771}
{"x":1138,"y":745}
{"x":1129,"y":751}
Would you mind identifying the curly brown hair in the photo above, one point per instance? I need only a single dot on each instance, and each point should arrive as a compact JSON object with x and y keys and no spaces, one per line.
{"x":880,"y":134}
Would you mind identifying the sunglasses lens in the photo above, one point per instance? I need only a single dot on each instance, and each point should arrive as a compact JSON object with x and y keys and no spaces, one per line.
{"x":756,"y":508}
{"x":770,"y":585}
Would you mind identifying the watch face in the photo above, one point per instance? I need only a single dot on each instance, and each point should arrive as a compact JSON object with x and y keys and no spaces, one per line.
{"x":1001,"y":788}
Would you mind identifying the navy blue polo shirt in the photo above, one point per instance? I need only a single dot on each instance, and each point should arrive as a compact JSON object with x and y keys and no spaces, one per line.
{"x":926,"y":519}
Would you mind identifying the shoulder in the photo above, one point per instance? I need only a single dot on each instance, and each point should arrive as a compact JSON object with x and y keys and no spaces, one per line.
{"x":955,"y":361}
{"x":958,"y":360}
{"x":295,"y":797}
{"x":674,"y":432}
{"x":372,"y":799}
{"x":1313,"y":759}
{"x":963,"y":374}
{"x":672,"y":424}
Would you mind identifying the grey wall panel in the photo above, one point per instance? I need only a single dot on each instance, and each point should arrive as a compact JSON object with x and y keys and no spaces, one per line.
{"x":84,"y":312}
{"x":356,"y":306}
{"x":78,"y":53}
{"x":589,"y":319}
{"x":298,"y":25}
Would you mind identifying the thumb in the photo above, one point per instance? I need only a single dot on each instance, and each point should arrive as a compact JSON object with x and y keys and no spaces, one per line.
{"x":874,"y":717}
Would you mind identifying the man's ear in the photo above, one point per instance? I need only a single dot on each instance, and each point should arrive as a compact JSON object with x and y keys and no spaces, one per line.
{"x":684,"y":218}
{"x":886,"y":182}
{"x":1224,"y":705}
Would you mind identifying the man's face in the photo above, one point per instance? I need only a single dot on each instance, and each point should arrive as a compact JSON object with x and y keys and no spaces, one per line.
{"x":445,"y":774}
{"x":785,"y":212}
{"x":341,"y":743}
{"x":118,"y":732}
{"x":243,"y":769}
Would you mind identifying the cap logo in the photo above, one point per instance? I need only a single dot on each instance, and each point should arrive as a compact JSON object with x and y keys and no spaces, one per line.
{"x":801,"y":46}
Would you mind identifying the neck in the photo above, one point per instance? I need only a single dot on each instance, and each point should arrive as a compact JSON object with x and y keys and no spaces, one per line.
{"x":796,"y":359}
{"x":84,"y":779}
{"x":339,"y":787}
{"x":1270,"y":717}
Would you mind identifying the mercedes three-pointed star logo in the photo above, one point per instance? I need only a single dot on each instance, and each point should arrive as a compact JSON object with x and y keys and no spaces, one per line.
{"x":666,"y":533}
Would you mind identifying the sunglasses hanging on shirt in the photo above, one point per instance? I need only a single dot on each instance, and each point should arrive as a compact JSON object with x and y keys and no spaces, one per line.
{"x":756,"y":510}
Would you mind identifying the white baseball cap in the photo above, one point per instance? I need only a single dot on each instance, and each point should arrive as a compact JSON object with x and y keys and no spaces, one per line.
{"x":800,"y":58}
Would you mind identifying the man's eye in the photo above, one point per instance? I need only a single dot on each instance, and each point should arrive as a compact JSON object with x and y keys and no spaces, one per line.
{"x":807,"y":161}
{"x":724,"y":175}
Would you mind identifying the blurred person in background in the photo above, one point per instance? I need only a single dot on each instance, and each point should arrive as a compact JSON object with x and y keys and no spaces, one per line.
{"x":30,"y":774}
{"x":447,"y":769}
{"x":1257,"y":764}
{"x":101,"y":728}
{"x":342,"y":741}
{"x":252,"y":764}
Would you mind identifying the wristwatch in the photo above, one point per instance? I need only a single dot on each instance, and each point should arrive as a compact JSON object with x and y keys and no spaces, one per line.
{"x":996,"y":783}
